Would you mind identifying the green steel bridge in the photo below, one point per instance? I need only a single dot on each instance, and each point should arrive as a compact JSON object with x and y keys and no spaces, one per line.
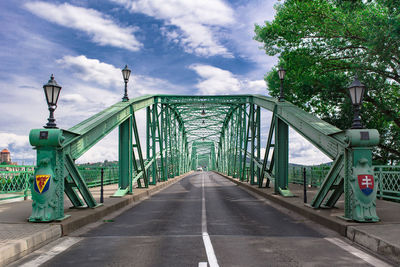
{"x":222,"y":133}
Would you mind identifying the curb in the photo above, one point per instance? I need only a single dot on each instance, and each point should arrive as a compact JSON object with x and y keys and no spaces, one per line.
{"x":20,"y":248}
{"x":357,"y":236}
{"x":374,"y":243}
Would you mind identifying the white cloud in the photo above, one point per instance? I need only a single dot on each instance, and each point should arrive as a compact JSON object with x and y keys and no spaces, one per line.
{"x":92,"y":70}
{"x":106,"y":149}
{"x":74,"y":98}
{"x":192,"y":24}
{"x":99,"y":27}
{"x":242,"y":34}
{"x":303,"y":152}
{"x":10,"y":139}
{"x":19,"y":147}
{"x":218,"y":81}
{"x":110,"y":77}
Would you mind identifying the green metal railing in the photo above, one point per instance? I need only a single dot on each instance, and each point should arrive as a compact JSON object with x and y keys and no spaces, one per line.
{"x":15,"y":180}
{"x":92,"y":175}
{"x":389,"y":185}
{"x":387,"y":177}
{"x":315,"y":174}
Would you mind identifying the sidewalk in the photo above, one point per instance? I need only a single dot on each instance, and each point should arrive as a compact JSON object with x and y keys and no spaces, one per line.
{"x":18,"y":237}
{"x":382,"y":237}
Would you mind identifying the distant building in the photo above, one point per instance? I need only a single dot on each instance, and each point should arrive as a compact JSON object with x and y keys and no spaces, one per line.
{"x":5,"y":156}
{"x":5,"y":159}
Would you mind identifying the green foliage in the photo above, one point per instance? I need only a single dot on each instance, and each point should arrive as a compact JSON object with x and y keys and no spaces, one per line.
{"x":322,"y":44}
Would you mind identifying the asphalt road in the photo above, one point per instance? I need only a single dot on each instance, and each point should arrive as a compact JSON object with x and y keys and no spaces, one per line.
{"x":204,"y":218}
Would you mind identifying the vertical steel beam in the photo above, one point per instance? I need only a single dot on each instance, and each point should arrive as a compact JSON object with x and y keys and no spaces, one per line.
{"x":165,"y":139}
{"x":281,"y":151}
{"x":258,"y":144}
{"x":125,"y":158}
{"x":153,"y":145}
{"x":243,"y":144}
{"x":252,"y":143}
{"x":237,"y":146}
{"x":150,"y":145}
{"x":160,"y":133}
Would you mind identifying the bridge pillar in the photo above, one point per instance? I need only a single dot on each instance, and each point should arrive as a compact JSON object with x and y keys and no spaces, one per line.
{"x":47,"y":183}
{"x":281,"y":151}
{"x":360,"y":186}
{"x":125,"y":157}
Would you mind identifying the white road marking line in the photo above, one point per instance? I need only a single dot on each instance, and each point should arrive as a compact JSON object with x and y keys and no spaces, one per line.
{"x":203,"y":264}
{"x":64,"y":245}
{"x":203,"y":208}
{"x":356,"y":252}
{"x":212,"y":259}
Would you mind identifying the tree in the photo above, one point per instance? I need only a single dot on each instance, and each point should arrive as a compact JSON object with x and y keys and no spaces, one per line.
{"x":323,"y":44}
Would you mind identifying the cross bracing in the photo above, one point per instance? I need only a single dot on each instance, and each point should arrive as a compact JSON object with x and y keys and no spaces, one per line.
{"x":221,"y":133}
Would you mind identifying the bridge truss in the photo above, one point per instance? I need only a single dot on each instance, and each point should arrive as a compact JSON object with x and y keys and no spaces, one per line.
{"x":222,"y":132}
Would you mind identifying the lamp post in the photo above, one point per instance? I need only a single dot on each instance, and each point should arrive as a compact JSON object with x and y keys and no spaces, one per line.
{"x":125,"y":74}
{"x":281,"y":73}
{"x":52,"y":91}
{"x":356,"y":90}
{"x":203,"y":112}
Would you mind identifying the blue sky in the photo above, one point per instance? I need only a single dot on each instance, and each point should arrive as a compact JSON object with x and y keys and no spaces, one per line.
{"x":172,"y":46}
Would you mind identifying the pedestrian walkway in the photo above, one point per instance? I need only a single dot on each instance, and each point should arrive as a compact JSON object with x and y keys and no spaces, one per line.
{"x":18,"y":237}
{"x":382,"y":237}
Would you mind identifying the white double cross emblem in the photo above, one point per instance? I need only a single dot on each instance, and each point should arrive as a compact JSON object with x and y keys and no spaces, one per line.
{"x":366,"y":181}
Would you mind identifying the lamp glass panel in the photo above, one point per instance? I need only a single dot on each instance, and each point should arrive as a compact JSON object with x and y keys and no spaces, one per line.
{"x":353,"y":95}
{"x":56,"y":92}
{"x":362,"y":90}
{"x":49,"y":94}
{"x":281,"y":73}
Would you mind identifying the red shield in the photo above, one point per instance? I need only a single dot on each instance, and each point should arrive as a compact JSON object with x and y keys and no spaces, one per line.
{"x":366,"y":183}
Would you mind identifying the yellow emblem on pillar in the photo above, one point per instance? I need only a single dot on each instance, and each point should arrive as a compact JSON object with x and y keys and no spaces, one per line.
{"x":41,"y":182}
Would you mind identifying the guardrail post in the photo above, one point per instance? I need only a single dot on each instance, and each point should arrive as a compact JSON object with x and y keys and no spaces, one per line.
{"x":101,"y":186}
{"x":305,"y":184}
{"x":380,"y":179}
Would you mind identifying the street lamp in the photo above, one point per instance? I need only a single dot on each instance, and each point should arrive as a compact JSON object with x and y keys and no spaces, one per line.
{"x":356,"y":90}
{"x":203,"y":112}
{"x":281,"y":73}
{"x":52,"y":91}
{"x":126,"y":73}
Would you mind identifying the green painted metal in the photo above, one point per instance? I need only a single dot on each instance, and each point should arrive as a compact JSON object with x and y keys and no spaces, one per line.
{"x":281,"y":150}
{"x":78,"y":184}
{"x":125,"y":153}
{"x":389,"y":185}
{"x":217,"y":132}
{"x":48,"y":181}
{"x":360,"y":205}
{"x":14,"y":181}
